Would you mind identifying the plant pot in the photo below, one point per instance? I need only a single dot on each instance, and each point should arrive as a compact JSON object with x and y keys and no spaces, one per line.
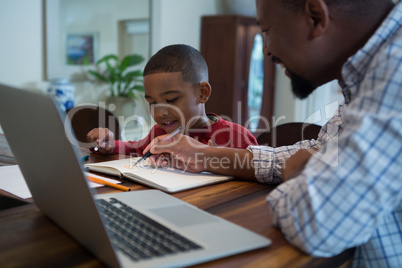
{"x":124,"y":109}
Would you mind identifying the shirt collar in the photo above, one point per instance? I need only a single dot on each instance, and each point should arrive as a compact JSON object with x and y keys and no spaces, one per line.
{"x":355,"y":68}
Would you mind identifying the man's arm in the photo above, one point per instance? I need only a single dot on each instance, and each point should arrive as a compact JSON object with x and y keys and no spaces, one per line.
{"x":268,"y":161}
{"x":257,"y":162}
{"x":229,"y":161}
{"x":348,"y":189}
{"x":186,"y":153}
{"x":296,"y":163}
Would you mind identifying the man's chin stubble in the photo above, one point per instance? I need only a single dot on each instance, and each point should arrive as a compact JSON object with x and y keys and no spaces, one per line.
{"x":301,"y":88}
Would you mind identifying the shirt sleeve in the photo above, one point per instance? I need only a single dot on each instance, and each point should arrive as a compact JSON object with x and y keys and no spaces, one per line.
{"x":242,"y":137}
{"x":268,"y":161}
{"x":136,"y":148}
{"x":229,"y":134}
{"x":350,"y":190}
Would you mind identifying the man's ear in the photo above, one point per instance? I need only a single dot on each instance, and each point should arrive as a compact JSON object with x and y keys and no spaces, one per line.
{"x":318,"y":13}
{"x":204,"y":92}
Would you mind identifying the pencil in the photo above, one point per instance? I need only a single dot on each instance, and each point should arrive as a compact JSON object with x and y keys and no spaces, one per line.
{"x":114,"y":185}
{"x":148,"y":154}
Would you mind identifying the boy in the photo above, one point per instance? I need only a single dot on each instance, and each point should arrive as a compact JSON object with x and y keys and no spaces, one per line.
{"x":177,"y":88}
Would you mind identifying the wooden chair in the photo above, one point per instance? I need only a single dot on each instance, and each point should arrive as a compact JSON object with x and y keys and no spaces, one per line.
{"x":289,"y":134}
{"x":86,"y":117}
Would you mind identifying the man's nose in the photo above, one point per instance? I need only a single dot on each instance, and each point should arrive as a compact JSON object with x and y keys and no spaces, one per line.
{"x":265,"y":46}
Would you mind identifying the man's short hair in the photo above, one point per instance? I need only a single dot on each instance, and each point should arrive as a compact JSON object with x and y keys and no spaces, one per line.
{"x":179,"y":58}
{"x":346,"y":5}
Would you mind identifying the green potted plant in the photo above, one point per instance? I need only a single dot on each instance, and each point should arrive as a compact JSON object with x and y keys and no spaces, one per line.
{"x":124,"y":80}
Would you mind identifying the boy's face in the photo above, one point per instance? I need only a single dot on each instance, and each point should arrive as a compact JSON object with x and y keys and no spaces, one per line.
{"x":172,"y":101}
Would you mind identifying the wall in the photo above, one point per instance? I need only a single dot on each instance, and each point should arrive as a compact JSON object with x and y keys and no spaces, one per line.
{"x":21,"y":44}
{"x":79,"y":16}
{"x":284,"y":107}
{"x":318,"y":108}
{"x":99,"y":18}
{"x":169,"y":17}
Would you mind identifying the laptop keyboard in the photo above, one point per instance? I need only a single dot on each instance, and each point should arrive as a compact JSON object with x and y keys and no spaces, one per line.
{"x":137,"y":235}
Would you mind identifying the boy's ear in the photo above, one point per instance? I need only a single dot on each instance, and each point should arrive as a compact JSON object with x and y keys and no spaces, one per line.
{"x":204,"y":92}
{"x":318,"y":13}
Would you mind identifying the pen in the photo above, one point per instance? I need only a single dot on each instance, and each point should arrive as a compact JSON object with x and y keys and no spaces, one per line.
{"x":148,"y":154}
{"x":94,"y":148}
{"x":100,"y":181}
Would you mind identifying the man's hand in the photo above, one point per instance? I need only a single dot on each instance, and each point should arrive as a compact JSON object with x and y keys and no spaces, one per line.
{"x":295,"y":164}
{"x":181,"y":151}
{"x":186,"y":153}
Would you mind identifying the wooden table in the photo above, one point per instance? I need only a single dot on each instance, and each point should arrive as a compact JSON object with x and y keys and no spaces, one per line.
{"x":29,"y":239}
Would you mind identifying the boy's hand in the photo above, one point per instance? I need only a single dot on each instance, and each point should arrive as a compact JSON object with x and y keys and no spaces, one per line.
{"x":295,"y":164}
{"x":104,"y":139}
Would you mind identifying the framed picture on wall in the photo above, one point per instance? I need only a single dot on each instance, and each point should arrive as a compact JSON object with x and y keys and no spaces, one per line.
{"x":78,"y":33}
{"x":69,"y":53}
{"x":81,"y":48}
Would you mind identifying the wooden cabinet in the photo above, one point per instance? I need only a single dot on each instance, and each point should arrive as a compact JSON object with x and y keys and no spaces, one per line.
{"x":226,"y":44}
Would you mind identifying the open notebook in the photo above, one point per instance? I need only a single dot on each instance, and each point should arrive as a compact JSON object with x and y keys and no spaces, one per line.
{"x":167,"y":179}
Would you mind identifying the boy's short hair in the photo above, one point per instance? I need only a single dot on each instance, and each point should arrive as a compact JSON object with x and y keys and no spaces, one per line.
{"x":179,"y":58}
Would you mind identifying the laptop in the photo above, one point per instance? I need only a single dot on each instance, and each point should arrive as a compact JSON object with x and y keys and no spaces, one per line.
{"x":163,"y":231}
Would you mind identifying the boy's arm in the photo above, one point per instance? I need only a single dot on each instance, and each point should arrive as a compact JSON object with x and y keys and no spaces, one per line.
{"x":136,"y":147}
{"x":129,"y":147}
{"x":232,"y":135}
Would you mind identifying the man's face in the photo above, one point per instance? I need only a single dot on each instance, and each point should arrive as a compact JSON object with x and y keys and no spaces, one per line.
{"x":286,"y":40}
{"x":173,"y":102}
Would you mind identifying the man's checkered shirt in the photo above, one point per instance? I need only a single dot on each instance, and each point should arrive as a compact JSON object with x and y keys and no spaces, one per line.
{"x":350,"y":196}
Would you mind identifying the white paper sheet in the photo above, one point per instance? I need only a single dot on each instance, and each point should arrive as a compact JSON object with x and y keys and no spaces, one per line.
{"x":12,"y":181}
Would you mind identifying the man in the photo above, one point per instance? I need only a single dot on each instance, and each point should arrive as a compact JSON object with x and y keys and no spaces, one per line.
{"x":349,"y":193}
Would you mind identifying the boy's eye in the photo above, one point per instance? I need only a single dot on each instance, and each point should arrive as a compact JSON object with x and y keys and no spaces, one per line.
{"x":172,"y":100}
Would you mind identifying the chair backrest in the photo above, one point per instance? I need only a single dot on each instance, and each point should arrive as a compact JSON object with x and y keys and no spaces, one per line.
{"x":289,"y":134}
{"x":86,"y":117}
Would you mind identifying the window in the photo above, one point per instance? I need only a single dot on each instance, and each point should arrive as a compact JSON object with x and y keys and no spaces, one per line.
{"x":256,"y":83}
